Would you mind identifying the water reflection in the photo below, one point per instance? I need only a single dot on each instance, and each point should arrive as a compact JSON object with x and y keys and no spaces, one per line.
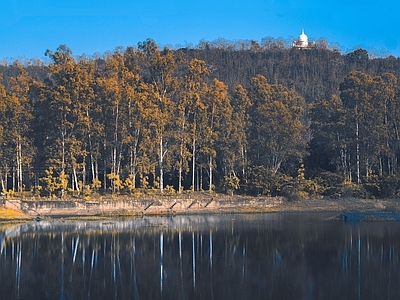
{"x":273,"y":256}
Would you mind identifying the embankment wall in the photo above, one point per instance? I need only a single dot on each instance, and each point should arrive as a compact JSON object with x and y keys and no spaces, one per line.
{"x":160,"y":206}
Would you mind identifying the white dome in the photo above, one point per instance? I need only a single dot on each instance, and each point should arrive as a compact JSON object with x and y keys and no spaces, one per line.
{"x":303,"y":37}
{"x":302,"y":41}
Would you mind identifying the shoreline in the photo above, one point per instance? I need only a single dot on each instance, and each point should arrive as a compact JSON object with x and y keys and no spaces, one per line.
{"x":28,"y":210}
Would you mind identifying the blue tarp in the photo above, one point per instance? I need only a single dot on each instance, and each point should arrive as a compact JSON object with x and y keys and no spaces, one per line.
{"x":370,"y":216}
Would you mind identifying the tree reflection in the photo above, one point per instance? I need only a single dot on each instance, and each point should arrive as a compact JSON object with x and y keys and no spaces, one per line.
{"x":267,"y":257}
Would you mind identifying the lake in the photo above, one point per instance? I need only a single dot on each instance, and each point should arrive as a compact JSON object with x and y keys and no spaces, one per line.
{"x":259,"y":256}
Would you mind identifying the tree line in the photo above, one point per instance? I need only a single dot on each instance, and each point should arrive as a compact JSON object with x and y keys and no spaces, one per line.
{"x":147,"y":118}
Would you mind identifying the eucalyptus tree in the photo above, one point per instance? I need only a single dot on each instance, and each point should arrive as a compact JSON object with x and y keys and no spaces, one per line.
{"x":70,"y":96}
{"x":117,"y":89}
{"x":58,"y":94}
{"x":91,"y":128}
{"x":19,"y":116}
{"x":259,"y":92}
{"x":83,"y":107}
{"x":160,"y":66}
{"x":137,"y":113}
{"x":278,"y":131}
{"x":358,"y":93}
{"x":328,"y":148}
{"x":217,"y":128}
{"x":388,"y":85}
{"x":190,"y":109}
{"x":240,"y":131}
{"x":357,"y":132}
{"x":3,"y":107}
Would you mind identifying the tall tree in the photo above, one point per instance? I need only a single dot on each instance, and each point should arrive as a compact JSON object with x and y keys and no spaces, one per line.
{"x":279,"y":131}
{"x":218,"y":128}
{"x":356,"y":94}
{"x":118,"y":91}
{"x":20,"y":115}
{"x":240,"y":130}
{"x":328,"y":149}
{"x":387,"y":84}
{"x":3,"y":108}
{"x":161,"y":67}
{"x":59,"y":96}
{"x":190,"y":109}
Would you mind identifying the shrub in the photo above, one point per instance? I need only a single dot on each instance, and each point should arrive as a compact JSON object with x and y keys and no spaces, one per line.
{"x":372,"y":185}
{"x":329,"y":183}
{"x":390,"y":186}
{"x":353,"y":190}
{"x":169,"y":189}
{"x":231,"y":183}
{"x":262,"y":181}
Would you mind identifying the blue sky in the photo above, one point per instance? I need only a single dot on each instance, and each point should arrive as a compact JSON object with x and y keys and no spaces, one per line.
{"x":28,"y":28}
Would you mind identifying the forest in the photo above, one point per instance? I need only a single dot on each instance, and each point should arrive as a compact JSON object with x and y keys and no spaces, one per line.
{"x":246,"y":118}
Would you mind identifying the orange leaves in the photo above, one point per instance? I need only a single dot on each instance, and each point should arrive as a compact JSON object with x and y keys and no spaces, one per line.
{"x":277,"y":120}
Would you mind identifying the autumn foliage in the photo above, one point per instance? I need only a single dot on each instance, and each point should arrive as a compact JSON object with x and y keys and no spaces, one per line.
{"x":145,"y":119}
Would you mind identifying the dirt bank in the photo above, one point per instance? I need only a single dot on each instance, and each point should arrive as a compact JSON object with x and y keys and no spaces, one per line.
{"x":19,"y":209}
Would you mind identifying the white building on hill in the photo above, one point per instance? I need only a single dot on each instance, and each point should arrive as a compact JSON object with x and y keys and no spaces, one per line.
{"x":302,"y":42}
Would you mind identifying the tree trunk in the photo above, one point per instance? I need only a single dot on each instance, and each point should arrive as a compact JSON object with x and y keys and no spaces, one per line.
{"x":96,"y":173}
{"x":193,"y":164}
{"x":2,"y":182}
{"x":63,"y":134}
{"x":84,"y":174}
{"x":244,"y":163}
{"x":6,"y":177}
{"x":357,"y":154}
{"x":13,"y":179}
{"x":200,"y":188}
{"x":133,"y":168}
{"x":75,"y":179}
{"x":180,"y":178}
{"x":19,"y":165}
{"x":161,"y":158}
{"x":210,"y":170}
{"x":180,"y":167}
{"x":105,"y":176}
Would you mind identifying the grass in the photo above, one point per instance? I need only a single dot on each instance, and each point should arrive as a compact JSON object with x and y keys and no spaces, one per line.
{"x":11,"y":214}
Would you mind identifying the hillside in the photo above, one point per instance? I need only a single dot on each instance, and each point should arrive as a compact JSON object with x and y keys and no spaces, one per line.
{"x":256,"y":119}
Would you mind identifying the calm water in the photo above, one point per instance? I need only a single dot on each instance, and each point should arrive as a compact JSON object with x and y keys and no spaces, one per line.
{"x":271,"y":256}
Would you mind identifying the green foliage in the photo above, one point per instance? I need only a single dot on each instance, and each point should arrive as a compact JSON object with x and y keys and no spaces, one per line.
{"x":390,"y":186}
{"x":300,"y":188}
{"x":329,"y":183}
{"x":354,"y":190}
{"x":278,"y":131}
{"x":262,"y":181}
{"x":372,"y":185}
